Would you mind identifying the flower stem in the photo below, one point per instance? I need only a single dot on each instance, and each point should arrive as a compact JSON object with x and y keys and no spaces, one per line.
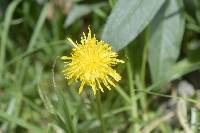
{"x":99,"y":113}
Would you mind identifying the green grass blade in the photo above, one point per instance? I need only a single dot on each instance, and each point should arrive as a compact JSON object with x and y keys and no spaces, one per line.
{"x":38,"y":27}
{"x":123,"y":94}
{"x":63,"y":104}
{"x":20,"y":122}
{"x":4,"y":35}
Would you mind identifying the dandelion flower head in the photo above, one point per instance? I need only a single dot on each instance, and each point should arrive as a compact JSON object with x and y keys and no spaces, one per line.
{"x":91,"y":63}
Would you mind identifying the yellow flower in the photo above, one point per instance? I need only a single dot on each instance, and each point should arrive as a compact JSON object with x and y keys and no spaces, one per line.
{"x":91,"y":63}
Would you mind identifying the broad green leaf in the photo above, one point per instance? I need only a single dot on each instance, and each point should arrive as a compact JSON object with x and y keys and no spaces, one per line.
{"x":183,"y":67}
{"x":79,"y":11}
{"x":135,"y":54}
{"x":127,"y":20}
{"x":165,"y":36}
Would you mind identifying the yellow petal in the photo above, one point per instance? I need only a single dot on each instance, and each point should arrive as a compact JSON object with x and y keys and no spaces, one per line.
{"x":64,"y":57}
{"x":72,"y":42}
{"x":81,"y":87}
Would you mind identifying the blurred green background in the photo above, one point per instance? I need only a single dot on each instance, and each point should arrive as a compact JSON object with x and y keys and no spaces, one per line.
{"x":160,"y":87}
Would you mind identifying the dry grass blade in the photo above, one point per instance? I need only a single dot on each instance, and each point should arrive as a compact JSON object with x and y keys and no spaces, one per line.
{"x":151,"y":126}
{"x":181,"y":111}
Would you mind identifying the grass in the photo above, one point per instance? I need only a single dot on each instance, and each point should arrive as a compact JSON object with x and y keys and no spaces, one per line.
{"x":35,"y":97}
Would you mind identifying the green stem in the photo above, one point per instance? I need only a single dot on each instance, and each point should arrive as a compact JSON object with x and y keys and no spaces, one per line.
{"x":132,"y":89}
{"x":143,"y":72}
{"x":143,"y":68}
{"x":133,"y":102}
{"x":99,"y":113}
